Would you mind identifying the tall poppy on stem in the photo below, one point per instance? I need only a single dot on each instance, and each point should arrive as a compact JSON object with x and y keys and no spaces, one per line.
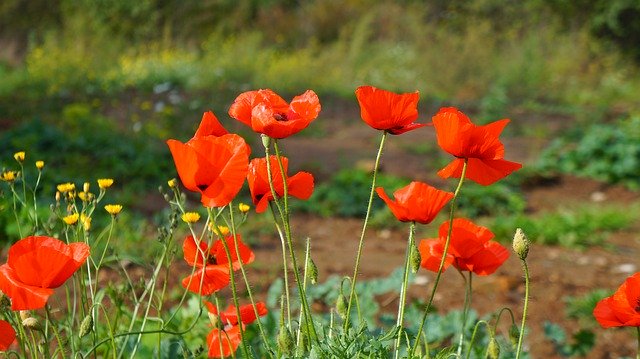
{"x":471,"y":249}
{"x":213,"y":163}
{"x":267,"y":113}
{"x":212,"y":273}
{"x":7,"y":335}
{"x":479,"y":145}
{"x":416,"y":202}
{"x":225,"y":341}
{"x":622,"y":309}
{"x":388,"y":111}
{"x":35,"y":266}
{"x":299,"y":185}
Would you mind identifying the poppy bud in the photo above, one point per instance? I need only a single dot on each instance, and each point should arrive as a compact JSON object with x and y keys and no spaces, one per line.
{"x":514,"y":334}
{"x":312,"y":272}
{"x":521,"y":244}
{"x":285,"y":340}
{"x":302,"y":343}
{"x":31,"y":323}
{"x":493,"y":350}
{"x":86,"y":326}
{"x":341,"y":306}
{"x":416,"y":258}
{"x":266,"y":140}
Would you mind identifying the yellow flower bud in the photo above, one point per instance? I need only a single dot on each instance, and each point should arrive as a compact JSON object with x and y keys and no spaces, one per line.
{"x":113,"y":209}
{"x":86,"y":222}
{"x":172,"y":183}
{"x":39,"y":165}
{"x":191,"y":217}
{"x":105,"y":183}
{"x":85,"y":187}
{"x":244,"y":208}
{"x":19,"y":156}
{"x":71,"y":219}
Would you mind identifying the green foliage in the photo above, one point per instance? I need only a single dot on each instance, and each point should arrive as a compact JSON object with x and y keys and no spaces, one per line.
{"x":606,"y":152}
{"x":581,"y":344}
{"x":581,"y":307}
{"x":347,"y":193}
{"x":578,"y":228}
{"x":499,"y":199}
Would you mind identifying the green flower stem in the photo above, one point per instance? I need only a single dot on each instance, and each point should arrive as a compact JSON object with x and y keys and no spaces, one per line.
{"x":347,"y":320}
{"x":473,"y":336}
{"x":403,"y":289}
{"x":442,"y":260}
{"x":526,"y":306}
{"x":638,"y":335}
{"x":465,"y":313}
{"x":15,"y":209}
{"x":304,"y":285}
{"x":287,"y":230}
{"x":284,"y":265}
{"x":35,"y":202}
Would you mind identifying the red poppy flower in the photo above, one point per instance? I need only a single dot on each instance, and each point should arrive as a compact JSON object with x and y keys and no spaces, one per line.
{"x":224,"y":342}
{"x":299,"y":185}
{"x":622,"y":309}
{"x":212,"y":273}
{"x":213,"y":163}
{"x":471,"y":249}
{"x":7,"y":335}
{"x":388,"y":111}
{"x":417,"y":202}
{"x":478,"y":144}
{"x":266,"y":112}
{"x":35,"y":266}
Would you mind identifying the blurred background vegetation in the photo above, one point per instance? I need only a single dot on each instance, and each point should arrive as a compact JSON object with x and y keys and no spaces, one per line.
{"x":94,"y":87}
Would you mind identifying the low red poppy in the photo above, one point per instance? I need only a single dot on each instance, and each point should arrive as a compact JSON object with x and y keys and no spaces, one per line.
{"x":224,"y":342}
{"x":7,"y":335}
{"x":299,"y":185}
{"x":267,"y":113}
{"x":479,"y":145}
{"x":388,"y":111}
{"x":622,"y":309}
{"x":213,"y":163}
{"x":416,"y":202}
{"x":212,"y":273}
{"x":35,"y":266}
{"x":471,"y":249}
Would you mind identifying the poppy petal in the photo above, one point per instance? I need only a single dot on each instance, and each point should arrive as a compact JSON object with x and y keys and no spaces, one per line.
{"x":193,"y":255}
{"x":431,"y":255}
{"x":453,"y":129}
{"x":247,"y":313}
{"x":7,"y":335}
{"x":489,"y":259}
{"x":605,"y":314}
{"x":246,"y":254}
{"x":398,"y":211}
{"x":207,"y":280}
{"x":186,"y":161}
{"x":483,"y":172}
{"x":385,"y":110}
{"x":306,"y":106}
{"x":242,"y":107}
{"x":223,"y":343}
{"x":300,"y":185}
{"x":210,"y":126}
{"x":23,"y":297}
{"x":402,"y":129}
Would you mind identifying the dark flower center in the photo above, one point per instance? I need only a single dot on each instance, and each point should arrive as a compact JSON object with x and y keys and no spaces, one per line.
{"x":280,"y":116}
{"x":637,"y":308}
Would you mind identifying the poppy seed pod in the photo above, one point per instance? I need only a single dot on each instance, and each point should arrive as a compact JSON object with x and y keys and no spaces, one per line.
{"x":493,"y":350}
{"x":285,"y":340}
{"x":514,"y":334}
{"x":521,"y":244}
{"x":86,"y":326}
{"x":312,"y":272}
{"x":416,"y":258}
{"x":341,"y":306}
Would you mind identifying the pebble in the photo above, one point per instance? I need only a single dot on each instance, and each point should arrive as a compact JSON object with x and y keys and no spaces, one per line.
{"x":627,"y":268}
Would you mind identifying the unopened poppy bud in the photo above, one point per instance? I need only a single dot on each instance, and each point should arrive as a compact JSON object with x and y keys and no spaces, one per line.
{"x":341,"y":306}
{"x":172,"y":183}
{"x":416,"y":258}
{"x":514,"y":335}
{"x":266,"y":140}
{"x":312,"y":272}
{"x":493,"y":350}
{"x":86,"y":326}
{"x":521,"y":244}
{"x":285,"y":340}
{"x":39,"y":165}
{"x":31,"y":323}
{"x":19,"y":156}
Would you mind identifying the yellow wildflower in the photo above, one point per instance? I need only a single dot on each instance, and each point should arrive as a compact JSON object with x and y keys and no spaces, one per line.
{"x":19,"y":156}
{"x":86,"y":222}
{"x":39,"y":165}
{"x":172,"y":183}
{"x":66,"y":187}
{"x":83,"y":196}
{"x":191,"y":217}
{"x":244,"y":208}
{"x":71,"y":219}
{"x":9,"y":176}
{"x":113,"y":209}
{"x":105,"y":183}
{"x":223,"y":230}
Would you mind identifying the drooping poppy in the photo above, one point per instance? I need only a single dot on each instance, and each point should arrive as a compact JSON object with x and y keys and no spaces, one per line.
{"x":212,"y":273}
{"x":388,"y":111}
{"x":7,"y":335}
{"x":622,"y":309}
{"x":471,"y":249}
{"x":225,"y":341}
{"x":213,"y":163}
{"x":267,"y":113}
{"x":299,"y":185}
{"x":479,"y":145}
{"x":416,"y":202}
{"x":35,"y":266}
